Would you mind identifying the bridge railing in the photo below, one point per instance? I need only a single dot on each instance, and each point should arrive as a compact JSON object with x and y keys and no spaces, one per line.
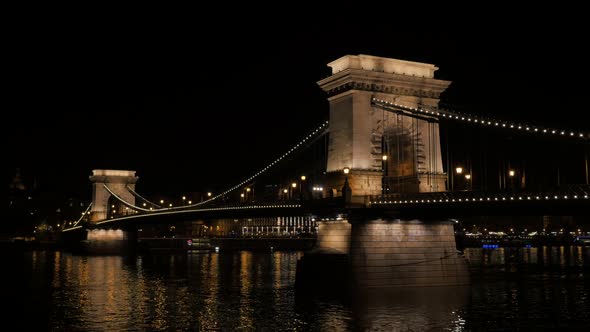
{"x":574,"y":192}
{"x":230,"y":205}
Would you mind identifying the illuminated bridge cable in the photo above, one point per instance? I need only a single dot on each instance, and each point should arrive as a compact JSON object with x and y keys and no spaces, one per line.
{"x":230,"y":208}
{"x":430,"y":114}
{"x":134,"y":193}
{"x":83,"y":215}
{"x":319,"y":131}
{"x":127,"y":204}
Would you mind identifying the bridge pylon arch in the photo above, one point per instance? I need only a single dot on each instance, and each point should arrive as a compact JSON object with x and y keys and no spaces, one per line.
{"x":118,"y":181}
{"x":361,"y":133}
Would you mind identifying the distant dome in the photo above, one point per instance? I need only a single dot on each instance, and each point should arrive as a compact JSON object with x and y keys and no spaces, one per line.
{"x":17,"y":182}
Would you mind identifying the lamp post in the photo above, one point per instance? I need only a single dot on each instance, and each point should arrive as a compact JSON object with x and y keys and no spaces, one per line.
{"x":468,"y":179}
{"x":384,"y":182}
{"x":458,"y":170}
{"x":293,"y":186}
{"x":301,"y":186}
{"x":346,"y":190}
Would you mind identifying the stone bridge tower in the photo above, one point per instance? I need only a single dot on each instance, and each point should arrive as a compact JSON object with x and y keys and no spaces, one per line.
{"x":117,"y":181}
{"x":361,"y":134}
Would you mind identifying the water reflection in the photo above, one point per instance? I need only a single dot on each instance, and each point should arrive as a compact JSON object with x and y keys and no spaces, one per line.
{"x":255,"y":291}
{"x":563,"y":257}
{"x":417,"y":309}
{"x":401,"y":309}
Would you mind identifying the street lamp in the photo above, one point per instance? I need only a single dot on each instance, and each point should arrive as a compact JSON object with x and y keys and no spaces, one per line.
{"x":511,"y":174}
{"x":248,"y":196}
{"x":318,"y":191}
{"x":384,"y":186}
{"x":458,"y":170}
{"x":209,"y":194}
{"x":468,"y":178}
{"x":293,"y":186}
{"x":301,"y":186}
{"x":346,"y":191}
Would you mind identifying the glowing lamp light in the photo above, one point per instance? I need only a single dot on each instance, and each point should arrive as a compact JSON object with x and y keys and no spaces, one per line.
{"x":511,"y":173}
{"x":459,"y":170}
{"x":384,"y":157}
{"x":346,"y":170}
{"x":303,"y":178}
{"x":467,"y":176}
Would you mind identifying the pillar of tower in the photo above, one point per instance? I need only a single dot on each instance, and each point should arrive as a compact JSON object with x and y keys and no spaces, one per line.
{"x":360,"y":133}
{"x":117,"y":181}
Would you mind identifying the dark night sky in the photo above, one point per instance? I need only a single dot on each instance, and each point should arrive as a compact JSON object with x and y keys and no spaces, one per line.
{"x":196,"y":97}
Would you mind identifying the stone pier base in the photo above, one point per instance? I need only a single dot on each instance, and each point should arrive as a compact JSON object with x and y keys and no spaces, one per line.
{"x":396,"y":253}
{"x":334,"y":236}
{"x":109,"y":242}
{"x":384,"y":253}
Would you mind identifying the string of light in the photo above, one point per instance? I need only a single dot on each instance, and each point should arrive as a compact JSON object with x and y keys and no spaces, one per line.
{"x":136,"y":208}
{"x":227,"y":208}
{"x":483,"y":199}
{"x":318,"y":131}
{"x":83,"y":214}
{"x":142,"y":198}
{"x":447,"y":114}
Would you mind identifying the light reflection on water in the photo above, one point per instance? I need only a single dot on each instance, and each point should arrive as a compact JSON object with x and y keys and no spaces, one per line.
{"x":255,"y":291}
{"x":544,"y":257}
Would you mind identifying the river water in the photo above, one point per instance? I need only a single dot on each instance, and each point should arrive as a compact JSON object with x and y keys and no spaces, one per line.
{"x":544,"y":288}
